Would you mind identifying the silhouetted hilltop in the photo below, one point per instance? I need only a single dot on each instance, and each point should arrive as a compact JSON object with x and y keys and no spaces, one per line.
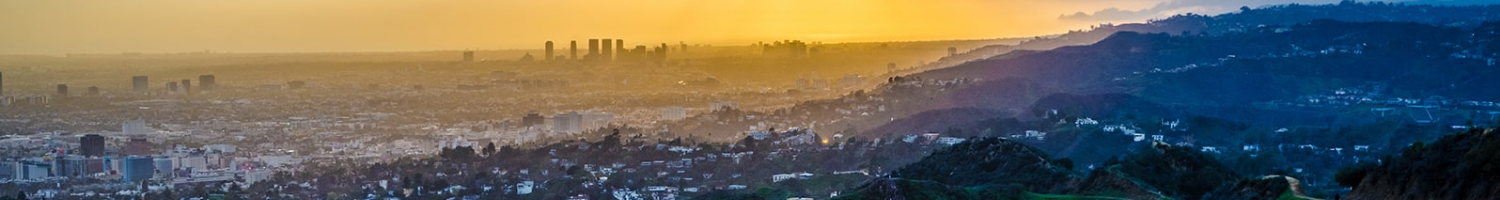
{"x":992,"y":161}
{"x":1458,"y":166}
{"x":1178,"y":172}
{"x":991,"y":168}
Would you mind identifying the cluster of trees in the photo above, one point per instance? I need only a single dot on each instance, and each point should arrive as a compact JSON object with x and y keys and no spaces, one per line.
{"x":1180,"y":172}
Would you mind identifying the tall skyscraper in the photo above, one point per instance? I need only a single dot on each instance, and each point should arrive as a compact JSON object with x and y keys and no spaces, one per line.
{"x":137,"y":168}
{"x":620,"y":49}
{"x":172,"y":87}
{"x":608,"y":50}
{"x":187,"y":85}
{"x":2,"y":84}
{"x":62,"y":90}
{"x":533,"y":119}
{"x":549,"y":51}
{"x":593,"y":50}
{"x":139,"y":84}
{"x":573,"y":50}
{"x":91,"y":145}
{"x":673,"y":113}
{"x":570,"y":122}
{"x":207,"y":83}
{"x":133,"y":127}
{"x":468,"y":56}
{"x":93,"y":91}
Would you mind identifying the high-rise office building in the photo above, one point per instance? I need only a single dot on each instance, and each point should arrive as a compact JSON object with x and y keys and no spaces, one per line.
{"x":638,"y":54}
{"x":573,"y":50}
{"x":138,"y":146}
{"x":62,"y":90}
{"x":91,"y":145}
{"x":206,"y":83}
{"x":137,"y":168}
{"x":133,"y":127}
{"x":608,"y":50}
{"x":570,"y":122}
{"x":533,"y":119}
{"x":673,"y":113}
{"x":468,"y":56}
{"x":549,"y":51}
{"x":71,"y":166}
{"x":595,"y":120}
{"x":164,"y":167}
{"x":662,"y":56}
{"x":2,"y":84}
{"x":93,"y":91}
{"x":172,"y":87}
{"x":187,"y":85}
{"x":620,"y":51}
{"x":138,"y":83}
{"x":593,"y":50}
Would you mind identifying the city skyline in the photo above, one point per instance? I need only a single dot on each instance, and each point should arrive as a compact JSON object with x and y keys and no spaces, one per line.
{"x":341,"y":26}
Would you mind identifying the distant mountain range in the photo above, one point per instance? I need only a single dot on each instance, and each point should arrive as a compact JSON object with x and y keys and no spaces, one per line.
{"x":1238,"y":79}
{"x":1233,"y":61}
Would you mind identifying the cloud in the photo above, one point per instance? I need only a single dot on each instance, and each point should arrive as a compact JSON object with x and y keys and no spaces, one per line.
{"x":1173,"y":7}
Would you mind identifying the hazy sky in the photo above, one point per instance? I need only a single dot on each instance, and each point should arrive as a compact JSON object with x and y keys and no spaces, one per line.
{"x":94,"y":26}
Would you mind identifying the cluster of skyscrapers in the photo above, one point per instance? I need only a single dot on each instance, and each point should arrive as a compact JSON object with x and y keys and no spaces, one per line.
{"x":607,"y":51}
{"x":140,"y":85}
{"x":134,"y":161}
{"x":570,"y":122}
{"x":600,"y":51}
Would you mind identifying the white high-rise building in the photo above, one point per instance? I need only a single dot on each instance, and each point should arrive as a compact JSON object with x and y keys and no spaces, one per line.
{"x":673,"y":113}
{"x":133,"y":127}
{"x":570,"y":122}
{"x":595,"y":120}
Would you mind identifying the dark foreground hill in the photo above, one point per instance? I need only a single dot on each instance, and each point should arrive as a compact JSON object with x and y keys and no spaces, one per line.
{"x":1459,"y":166}
{"x":991,"y":168}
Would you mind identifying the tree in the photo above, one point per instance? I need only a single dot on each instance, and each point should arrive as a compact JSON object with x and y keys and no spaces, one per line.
{"x":21,"y":195}
{"x":440,"y":184}
{"x":748,"y":142}
{"x":457,"y":153}
{"x":612,"y":141}
{"x":489,"y":149}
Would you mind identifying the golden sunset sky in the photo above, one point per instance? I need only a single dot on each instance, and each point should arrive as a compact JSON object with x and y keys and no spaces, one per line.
{"x":154,"y":26}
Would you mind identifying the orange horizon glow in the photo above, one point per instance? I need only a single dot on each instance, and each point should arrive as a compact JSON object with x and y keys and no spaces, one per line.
{"x":160,"y":26}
